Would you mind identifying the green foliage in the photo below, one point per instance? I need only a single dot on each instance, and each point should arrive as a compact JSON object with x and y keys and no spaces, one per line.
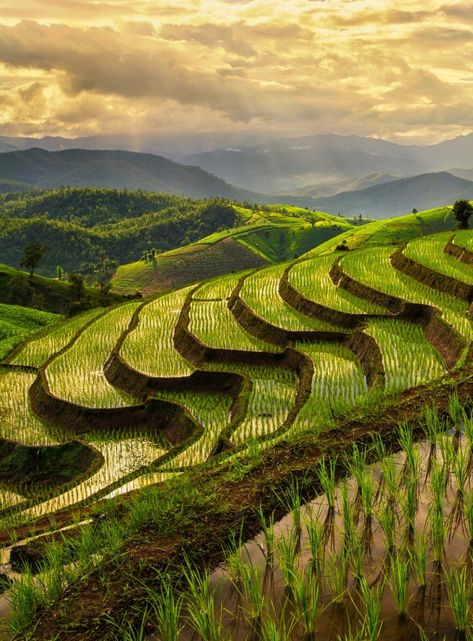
{"x":92,"y":223}
{"x":462,"y":210}
{"x":33,"y":254}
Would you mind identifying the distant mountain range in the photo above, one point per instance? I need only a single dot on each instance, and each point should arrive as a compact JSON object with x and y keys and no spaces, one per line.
{"x":275,"y":165}
{"x":37,"y":168}
{"x":393,"y":198}
{"x":290,"y":164}
{"x":375,"y":194}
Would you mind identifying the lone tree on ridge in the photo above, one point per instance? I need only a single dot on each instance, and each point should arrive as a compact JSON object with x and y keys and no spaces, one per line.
{"x":33,"y":254}
{"x":462,"y":210}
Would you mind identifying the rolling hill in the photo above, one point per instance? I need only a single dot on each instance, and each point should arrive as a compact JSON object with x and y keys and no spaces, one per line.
{"x":42,"y":169}
{"x":267,"y":236}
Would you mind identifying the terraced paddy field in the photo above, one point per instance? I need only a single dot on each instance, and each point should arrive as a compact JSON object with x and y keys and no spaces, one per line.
{"x":186,"y":424}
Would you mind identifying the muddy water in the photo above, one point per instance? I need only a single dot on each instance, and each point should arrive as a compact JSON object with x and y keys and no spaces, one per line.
{"x":428,"y":608}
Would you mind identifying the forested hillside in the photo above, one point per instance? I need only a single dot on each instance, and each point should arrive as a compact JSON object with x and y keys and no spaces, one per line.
{"x":84,"y":225}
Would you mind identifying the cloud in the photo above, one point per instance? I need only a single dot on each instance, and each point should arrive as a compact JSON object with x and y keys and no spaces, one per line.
{"x":265,"y":65}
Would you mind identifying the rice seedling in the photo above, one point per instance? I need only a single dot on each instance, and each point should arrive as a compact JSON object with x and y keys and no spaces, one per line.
{"x":316,"y":538}
{"x":338,"y":385}
{"x":291,"y":499}
{"x":271,"y":398}
{"x":260,"y":292}
{"x":149,"y":348}
{"x":406,"y":441}
{"x":461,"y":472}
{"x":459,"y":591}
{"x":401,"y":343}
{"x":367,"y":483}
{"x":429,"y":252}
{"x":399,"y":584}
{"x":19,"y":422}
{"x":372,"y":621}
{"x":437,"y":534}
{"x":267,"y":527}
{"x":212,"y":322}
{"x":386,"y":517}
{"x":167,"y":609}
{"x":311,"y":278}
{"x":336,"y":573}
{"x":77,"y":374}
{"x":202,"y":614}
{"x":307,"y":602}
{"x":252,"y":591}
{"x":327,"y":479}
{"x":288,"y":555}
{"x":274,"y":631}
{"x":389,"y":479}
{"x":128,"y":631}
{"x":418,"y":560}
{"x":37,"y":351}
{"x":211,"y":411}
{"x":410,"y":505}
{"x":373,"y":267}
{"x":23,"y":598}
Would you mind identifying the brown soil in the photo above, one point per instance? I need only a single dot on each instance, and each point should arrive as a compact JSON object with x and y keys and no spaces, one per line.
{"x":431,"y":278}
{"x":204,"y":261}
{"x":458,"y":252}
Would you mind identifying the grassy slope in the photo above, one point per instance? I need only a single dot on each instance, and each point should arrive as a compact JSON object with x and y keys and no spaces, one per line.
{"x":265,"y":237}
{"x":17,"y":323}
{"x":393,"y":230}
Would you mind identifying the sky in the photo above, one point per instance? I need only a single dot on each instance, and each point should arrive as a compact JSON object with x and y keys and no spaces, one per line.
{"x":396,"y":70}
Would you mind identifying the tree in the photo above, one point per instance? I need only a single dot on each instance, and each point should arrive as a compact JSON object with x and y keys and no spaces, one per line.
{"x":414,"y":211}
{"x":77,"y":286}
{"x":462,"y":210}
{"x":105,"y":271}
{"x":33,"y":254}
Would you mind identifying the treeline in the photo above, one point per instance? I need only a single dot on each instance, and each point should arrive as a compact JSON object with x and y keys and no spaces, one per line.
{"x":85,"y":225}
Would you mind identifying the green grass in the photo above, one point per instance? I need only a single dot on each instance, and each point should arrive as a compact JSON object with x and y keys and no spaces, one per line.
{"x":392,"y":230}
{"x":464,"y":238}
{"x":19,"y":323}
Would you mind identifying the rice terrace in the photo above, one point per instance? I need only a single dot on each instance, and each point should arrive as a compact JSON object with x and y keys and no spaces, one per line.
{"x":280,"y":452}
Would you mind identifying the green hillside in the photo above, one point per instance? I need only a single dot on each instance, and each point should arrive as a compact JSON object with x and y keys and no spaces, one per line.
{"x":41,"y":169}
{"x":93,"y":223}
{"x":395,"y":230}
{"x":270,"y":235}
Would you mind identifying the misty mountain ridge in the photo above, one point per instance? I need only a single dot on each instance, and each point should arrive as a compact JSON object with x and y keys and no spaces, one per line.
{"x":40,"y":169}
{"x":395,"y":198}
